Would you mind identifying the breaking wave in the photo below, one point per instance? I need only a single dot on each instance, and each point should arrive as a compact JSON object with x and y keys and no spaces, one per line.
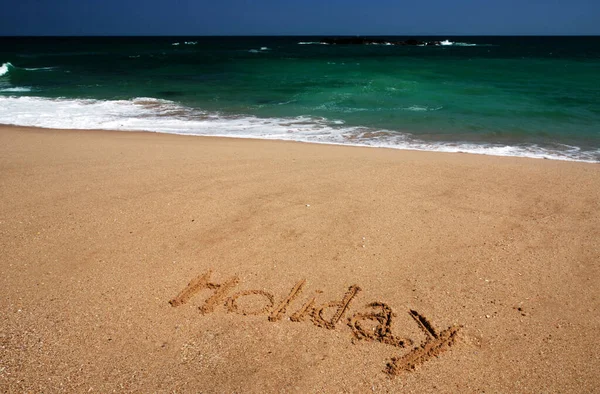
{"x":11,"y":75}
{"x":458,"y":44}
{"x":5,"y":68}
{"x":8,"y":68}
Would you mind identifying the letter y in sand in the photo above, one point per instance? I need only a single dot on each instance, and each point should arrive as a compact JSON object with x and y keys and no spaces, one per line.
{"x":435,"y":344}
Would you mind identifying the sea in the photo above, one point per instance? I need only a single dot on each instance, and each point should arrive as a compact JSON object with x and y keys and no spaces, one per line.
{"x":528,"y":96}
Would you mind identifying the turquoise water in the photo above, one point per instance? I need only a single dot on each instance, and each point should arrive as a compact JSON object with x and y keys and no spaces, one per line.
{"x":519,"y":96}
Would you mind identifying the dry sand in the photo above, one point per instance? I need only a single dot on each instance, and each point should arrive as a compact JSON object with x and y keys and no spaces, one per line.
{"x":428,"y":272}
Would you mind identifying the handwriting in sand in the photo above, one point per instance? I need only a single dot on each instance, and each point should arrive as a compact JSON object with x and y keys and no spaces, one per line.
{"x":328,"y":316}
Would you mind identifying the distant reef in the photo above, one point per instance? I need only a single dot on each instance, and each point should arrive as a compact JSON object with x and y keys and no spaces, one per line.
{"x":374,"y":41}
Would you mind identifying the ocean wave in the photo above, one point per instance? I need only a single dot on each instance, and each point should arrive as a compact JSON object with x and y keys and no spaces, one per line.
{"x":40,"y":69}
{"x":418,"y":108}
{"x":185,"y":43}
{"x":22,"y":89}
{"x":441,"y":43}
{"x":262,"y":49}
{"x":5,"y":68}
{"x":338,"y":107}
{"x":460,"y":44}
{"x":166,"y":116}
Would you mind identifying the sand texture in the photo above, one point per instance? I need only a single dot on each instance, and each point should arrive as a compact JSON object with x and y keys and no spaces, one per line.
{"x":158,"y":263}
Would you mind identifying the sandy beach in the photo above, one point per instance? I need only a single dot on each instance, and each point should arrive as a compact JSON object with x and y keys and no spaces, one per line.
{"x":150,"y":262}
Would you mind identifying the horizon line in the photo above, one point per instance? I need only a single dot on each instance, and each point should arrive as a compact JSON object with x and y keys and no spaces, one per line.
{"x":298,"y":35}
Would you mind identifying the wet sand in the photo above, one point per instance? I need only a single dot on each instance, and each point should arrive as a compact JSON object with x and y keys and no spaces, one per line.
{"x":160,"y":263}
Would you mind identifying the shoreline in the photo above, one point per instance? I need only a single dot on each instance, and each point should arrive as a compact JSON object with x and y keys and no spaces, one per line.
{"x":350,"y":145}
{"x":142,"y":261}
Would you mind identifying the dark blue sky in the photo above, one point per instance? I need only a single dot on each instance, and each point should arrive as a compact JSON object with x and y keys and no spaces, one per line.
{"x":295,"y":17}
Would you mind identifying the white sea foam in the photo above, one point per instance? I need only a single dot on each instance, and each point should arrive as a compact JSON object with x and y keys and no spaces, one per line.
{"x":41,"y":69}
{"x":442,"y":43}
{"x":22,"y":89}
{"x":418,"y":108}
{"x":458,"y":44}
{"x":168,"y":117}
{"x":5,"y":68}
